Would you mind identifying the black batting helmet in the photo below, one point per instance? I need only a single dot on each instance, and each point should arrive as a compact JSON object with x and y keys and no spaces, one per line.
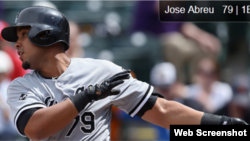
{"x":41,"y":20}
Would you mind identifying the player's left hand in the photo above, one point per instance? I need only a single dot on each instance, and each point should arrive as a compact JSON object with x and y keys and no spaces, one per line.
{"x":211,"y":119}
{"x":233,"y":121}
{"x":100,"y":91}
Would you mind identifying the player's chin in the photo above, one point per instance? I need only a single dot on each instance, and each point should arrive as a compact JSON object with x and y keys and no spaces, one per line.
{"x":26,"y":65}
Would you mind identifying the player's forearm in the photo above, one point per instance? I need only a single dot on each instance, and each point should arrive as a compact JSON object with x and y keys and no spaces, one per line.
{"x":166,"y":113}
{"x":176,"y":113}
{"x":172,"y":113}
{"x":48,"y":121}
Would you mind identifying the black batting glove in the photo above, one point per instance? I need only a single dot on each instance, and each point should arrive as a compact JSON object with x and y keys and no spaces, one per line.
{"x":99,"y":91}
{"x":210,"y":119}
{"x":232,"y":121}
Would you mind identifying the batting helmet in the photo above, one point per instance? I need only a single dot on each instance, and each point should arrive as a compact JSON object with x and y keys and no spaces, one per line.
{"x":41,"y":20}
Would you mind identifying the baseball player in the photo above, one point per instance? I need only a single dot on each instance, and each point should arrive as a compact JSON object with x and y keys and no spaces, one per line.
{"x":71,"y":99}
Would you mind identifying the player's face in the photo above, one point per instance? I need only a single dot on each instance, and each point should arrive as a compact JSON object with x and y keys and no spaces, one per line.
{"x":28,"y":52}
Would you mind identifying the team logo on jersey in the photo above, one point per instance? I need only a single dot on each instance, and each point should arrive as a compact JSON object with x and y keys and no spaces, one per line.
{"x":50,"y":101}
{"x":23,"y":97}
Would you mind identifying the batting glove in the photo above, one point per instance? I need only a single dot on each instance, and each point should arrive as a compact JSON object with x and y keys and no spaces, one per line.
{"x":210,"y":119}
{"x":100,"y":91}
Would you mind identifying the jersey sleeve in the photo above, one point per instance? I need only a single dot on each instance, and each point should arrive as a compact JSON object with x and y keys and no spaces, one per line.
{"x":134,"y":93}
{"x":20,"y":99}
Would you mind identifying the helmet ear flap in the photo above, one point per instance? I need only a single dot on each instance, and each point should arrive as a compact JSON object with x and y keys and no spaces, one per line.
{"x":43,"y":35}
{"x":40,"y":36}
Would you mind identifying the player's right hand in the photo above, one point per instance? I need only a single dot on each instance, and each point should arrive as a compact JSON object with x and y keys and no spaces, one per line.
{"x":100,"y":91}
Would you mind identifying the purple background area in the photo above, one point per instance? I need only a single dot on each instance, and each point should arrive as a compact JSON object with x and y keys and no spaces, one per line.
{"x":146,"y":19}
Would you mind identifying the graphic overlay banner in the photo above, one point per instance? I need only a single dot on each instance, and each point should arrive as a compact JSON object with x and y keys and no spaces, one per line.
{"x":204,"y":11}
{"x":211,"y":132}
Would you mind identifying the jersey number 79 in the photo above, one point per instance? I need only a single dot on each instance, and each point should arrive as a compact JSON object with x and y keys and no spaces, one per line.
{"x":88,"y":119}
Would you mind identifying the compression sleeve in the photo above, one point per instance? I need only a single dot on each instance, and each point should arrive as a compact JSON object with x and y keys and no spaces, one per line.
{"x":24,"y":118}
{"x":149,"y":104}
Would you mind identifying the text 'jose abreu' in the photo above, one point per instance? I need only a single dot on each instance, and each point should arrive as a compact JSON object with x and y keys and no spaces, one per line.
{"x":199,"y":11}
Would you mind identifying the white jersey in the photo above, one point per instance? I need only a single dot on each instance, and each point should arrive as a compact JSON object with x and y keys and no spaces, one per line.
{"x":93,"y":122}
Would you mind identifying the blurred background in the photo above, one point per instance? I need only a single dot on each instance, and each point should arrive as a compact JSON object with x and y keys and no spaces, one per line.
{"x":202,"y":65}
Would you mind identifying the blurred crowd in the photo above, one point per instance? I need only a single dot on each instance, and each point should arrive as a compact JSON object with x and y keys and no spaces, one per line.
{"x":189,"y":72}
{"x":10,"y":68}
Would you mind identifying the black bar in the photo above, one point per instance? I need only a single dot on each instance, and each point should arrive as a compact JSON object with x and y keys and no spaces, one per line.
{"x":204,"y":11}
{"x":211,"y":132}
